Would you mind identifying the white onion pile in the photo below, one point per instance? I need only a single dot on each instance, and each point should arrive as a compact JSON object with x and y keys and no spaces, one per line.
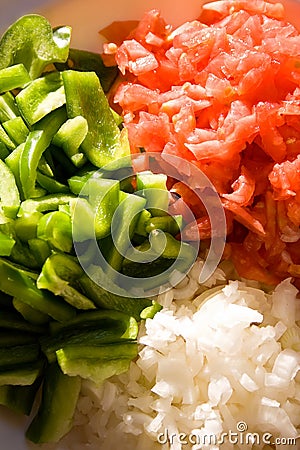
{"x":208,"y":362}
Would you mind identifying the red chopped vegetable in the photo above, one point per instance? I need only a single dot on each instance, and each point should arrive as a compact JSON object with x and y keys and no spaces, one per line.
{"x":223,"y":92}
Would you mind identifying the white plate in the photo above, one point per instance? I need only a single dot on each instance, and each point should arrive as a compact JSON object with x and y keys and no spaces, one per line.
{"x":86,"y":18}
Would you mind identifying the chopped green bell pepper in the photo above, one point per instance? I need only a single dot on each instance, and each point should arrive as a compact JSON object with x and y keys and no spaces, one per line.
{"x":8,"y":107}
{"x":42,"y":204}
{"x":70,"y":136}
{"x":104,"y":144}
{"x":59,"y":275}
{"x":15,"y":282}
{"x":40,"y":97}
{"x":55,"y":415}
{"x":13,"y":77}
{"x":5,"y":139}
{"x":6,"y":244}
{"x":55,"y":227}
{"x":36,"y":143}
{"x":9,"y":194}
{"x":32,"y":42}
{"x":16,"y":130}
{"x":86,"y":61}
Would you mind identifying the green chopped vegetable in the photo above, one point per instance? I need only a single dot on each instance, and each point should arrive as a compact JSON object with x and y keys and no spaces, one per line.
{"x":40,"y":97}
{"x":16,"y":129}
{"x":9,"y":194}
{"x":86,"y":61}
{"x":67,"y":194}
{"x":13,"y":77}
{"x":104,"y":144}
{"x":32,"y":42}
{"x":55,"y":415}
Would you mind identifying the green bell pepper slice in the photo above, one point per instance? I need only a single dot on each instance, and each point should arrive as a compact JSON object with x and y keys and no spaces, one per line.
{"x":36,"y":143}
{"x":50,"y":184}
{"x":9,"y":194}
{"x":104,"y":198}
{"x":31,"y":41}
{"x":16,"y":130}
{"x":26,"y":227}
{"x":86,"y":61}
{"x":130,"y":207}
{"x":6,"y":244}
{"x":59,"y":274}
{"x":19,"y":399}
{"x":40,"y":250}
{"x":15,"y":282}
{"x":70,"y":136}
{"x":47,"y":203}
{"x":30,"y":314}
{"x":153,"y":187}
{"x":55,"y":227}
{"x":104,"y":144}
{"x":5,"y":139}
{"x":13,"y":77}
{"x":54,"y":418}
{"x":8,"y":107}
{"x":40,"y":97}
{"x":3,"y":151}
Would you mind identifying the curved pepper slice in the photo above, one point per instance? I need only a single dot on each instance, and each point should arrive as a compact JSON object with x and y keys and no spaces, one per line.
{"x":13,"y":77}
{"x":56,"y":228}
{"x":31,"y":41}
{"x":9,"y":194}
{"x":15,"y":282}
{"x":70,"y":136}
{"x":42,"y":204}
{"x":58,"y":274}
{"x":36,"y":143}
{"x":40,"y":97}
{"x":104,"y":143}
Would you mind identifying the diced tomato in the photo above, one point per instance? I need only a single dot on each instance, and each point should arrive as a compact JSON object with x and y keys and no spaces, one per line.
{"x":285,"y":178}
{"x":243,"y":188}
{"x":135,"y":58}
{"x":223,"y":93}
{"x":247,"y":266}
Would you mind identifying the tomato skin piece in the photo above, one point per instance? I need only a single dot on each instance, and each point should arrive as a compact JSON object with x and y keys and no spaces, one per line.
{"x":244,"y":217}
{"x":132,"y":56}
{"x":243,"y":188}
{"x":285,"y":178}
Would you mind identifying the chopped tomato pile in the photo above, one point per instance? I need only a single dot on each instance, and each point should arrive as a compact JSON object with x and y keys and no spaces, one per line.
{"x":223,"y":92}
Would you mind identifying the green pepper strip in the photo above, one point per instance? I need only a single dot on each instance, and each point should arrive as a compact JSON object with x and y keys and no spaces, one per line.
{"x":104,"y":143}
{"x":36,"y":143}
{"x":5,"y":139}
{"x":13,"y":77}
{"x":8,"y":108}
{"x":16,"y":283}
{"x":3,"y":151}
{"x":70,"y":136}
{"x":58,"y":274}
{"x":16,"y":130}
{"x":42,"y":204}
{"x":32,"y":42}
{"x":55,"y":227}
{"x":40,"y":97}
{"x":9,"y":194}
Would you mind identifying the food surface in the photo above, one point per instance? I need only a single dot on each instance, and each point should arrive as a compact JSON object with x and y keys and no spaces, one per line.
{"x":214,"y":367}
{"x":125,"y":178}
{"x":223,"y":93}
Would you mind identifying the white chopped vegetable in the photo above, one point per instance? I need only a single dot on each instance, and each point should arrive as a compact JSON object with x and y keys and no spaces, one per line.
{"x":227,"y":357}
